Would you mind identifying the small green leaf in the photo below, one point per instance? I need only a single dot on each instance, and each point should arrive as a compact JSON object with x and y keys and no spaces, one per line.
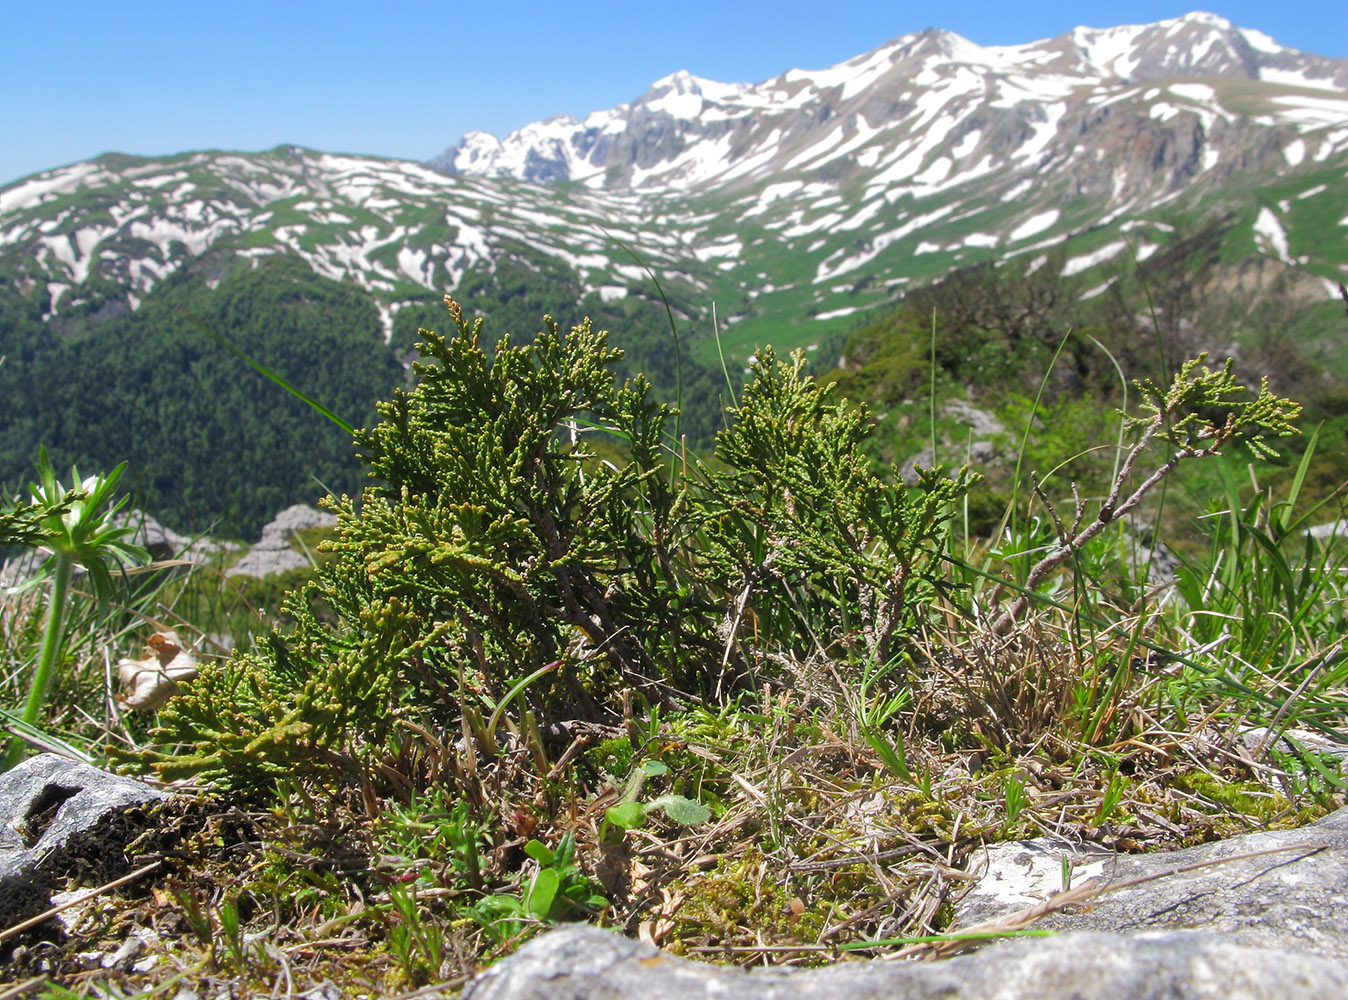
{"x":653,"y":768}
{"x":628,"y":815}
{"x":585,"y":899}
{"x":542,"y":893}
{"x":683,"y":811}
{"x":566,"y":850}
{"x":890,"y":754}
{"x":536,"y":850}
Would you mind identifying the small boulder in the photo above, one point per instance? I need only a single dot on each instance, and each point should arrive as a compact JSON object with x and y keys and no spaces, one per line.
{"x":1255,"y":916}
{"x":272,"y":553}
{"x":57,"y":814}
{"x":585,"y":963}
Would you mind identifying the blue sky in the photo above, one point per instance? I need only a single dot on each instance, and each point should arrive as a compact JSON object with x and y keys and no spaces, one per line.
{"x":407,"y":79}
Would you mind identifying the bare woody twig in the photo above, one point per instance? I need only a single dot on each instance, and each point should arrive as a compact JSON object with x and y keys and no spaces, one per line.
{"x":1177,"y":416}
{"x":83,"y":897}
{"x":1110,"y":511}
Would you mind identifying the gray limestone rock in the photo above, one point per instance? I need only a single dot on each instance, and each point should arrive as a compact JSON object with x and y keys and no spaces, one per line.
{"x":982,"y":423}
{"x":1238,"y":888}
{"x":1333,"y":530}
{"x":584,"y":963}
{"x":163,"y":542}
{"x":1251,"y":917}
{"x":272,"y":553}
{"x":1261,"y":742}
{"x":56,"y":814}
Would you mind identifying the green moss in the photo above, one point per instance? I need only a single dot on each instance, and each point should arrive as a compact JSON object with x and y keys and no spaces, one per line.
{"x":739,"y":901}
{"x":1234,"y":804}
{"x":1249,"y":798}
{"x":305,"y":887}
{"x":612,"y":755}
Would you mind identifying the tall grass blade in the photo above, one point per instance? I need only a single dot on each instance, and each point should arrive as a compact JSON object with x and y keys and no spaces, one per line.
{"x":1012,"y":512}
{"x":716,"y":332}
{"x":266,"y":372}
{"x":1298,"y":480}
{"x":673,"y":329}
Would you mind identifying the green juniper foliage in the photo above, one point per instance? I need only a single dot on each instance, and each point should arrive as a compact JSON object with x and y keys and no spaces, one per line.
{"x":1200,"y":397}
{"x":799,"y":521}
{"x":495,"y":556}
{"x":26,"y":523}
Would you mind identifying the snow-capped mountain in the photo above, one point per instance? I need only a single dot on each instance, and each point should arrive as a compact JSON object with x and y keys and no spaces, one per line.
{"x":792,"y":204}
{"x":923,"y":110}
{"x":399,"y":229}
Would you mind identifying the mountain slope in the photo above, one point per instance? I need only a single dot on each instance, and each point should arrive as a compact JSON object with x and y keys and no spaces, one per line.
{"x":924,"y":109}
{"x":394,"y":228}
{"x":793,"y":206}
{"x":816,"y":194}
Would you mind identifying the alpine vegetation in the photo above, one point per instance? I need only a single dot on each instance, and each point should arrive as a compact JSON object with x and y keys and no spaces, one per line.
{"x":500,"y":566}
{"x":552,"y":665}
{"x":749,"y":675}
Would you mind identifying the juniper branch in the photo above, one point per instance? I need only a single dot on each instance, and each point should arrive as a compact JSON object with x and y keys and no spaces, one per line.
{"x":1176,"y":417}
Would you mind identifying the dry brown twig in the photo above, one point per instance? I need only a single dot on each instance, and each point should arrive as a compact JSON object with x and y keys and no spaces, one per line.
{"x":1110,"y":511}
{"x":23,"y":925}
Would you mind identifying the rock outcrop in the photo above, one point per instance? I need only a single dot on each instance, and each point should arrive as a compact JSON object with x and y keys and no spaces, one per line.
{"x":1255,"y":916}
{"x":585,"y":963}
{"x":273,"y":552}
{"x":57,"y":815}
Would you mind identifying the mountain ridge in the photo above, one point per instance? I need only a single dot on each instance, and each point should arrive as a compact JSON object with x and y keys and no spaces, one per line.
{"x":907,"y":142}
{"x":927,"y":153}
{"x":622,"y":147}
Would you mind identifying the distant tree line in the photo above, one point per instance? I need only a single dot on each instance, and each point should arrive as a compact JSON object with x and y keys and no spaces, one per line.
{"x":211,"y":444}
{"x":209,"y":441}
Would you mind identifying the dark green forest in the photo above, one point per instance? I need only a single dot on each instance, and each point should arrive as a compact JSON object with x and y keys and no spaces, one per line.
{"x":210,"y":443}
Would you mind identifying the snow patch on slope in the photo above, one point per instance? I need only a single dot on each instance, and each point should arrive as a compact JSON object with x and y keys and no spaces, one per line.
{"x":45,"y":186}
{"x":1035,"y":225}
{"x":1269,"y":233}
{"x":1078,"y":264}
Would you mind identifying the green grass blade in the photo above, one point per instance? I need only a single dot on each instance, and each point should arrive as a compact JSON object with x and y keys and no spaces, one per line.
{"x":1285,"y":518}
{"x":943,"y":938}
{"x":725,"y":370}
{"x":266,"y":372}
{"x":673,"y":329}
{"x":1025,"y":441}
